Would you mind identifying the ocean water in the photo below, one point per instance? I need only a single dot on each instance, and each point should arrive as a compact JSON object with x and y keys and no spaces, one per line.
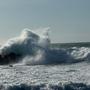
{"x":31,"y":62}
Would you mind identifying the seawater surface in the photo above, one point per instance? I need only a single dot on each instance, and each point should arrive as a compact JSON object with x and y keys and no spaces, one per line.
{"x":31,"y":62}
{"x":47,"y":77}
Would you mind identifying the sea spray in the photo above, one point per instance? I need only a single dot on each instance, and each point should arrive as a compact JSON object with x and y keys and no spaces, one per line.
{"x":31,"y":44}
{"x":38,"y":58}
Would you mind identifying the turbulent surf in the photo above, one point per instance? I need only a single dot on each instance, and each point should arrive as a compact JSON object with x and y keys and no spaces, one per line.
{"x":32,"y":47}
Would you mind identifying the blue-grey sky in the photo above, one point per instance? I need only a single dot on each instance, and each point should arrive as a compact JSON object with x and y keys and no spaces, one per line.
{"x":69,"y":20}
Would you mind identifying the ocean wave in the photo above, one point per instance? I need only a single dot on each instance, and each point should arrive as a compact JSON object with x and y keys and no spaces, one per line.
{"x":32,"y":48}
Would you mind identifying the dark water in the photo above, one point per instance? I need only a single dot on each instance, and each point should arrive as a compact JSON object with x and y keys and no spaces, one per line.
{"x":71,"y":86}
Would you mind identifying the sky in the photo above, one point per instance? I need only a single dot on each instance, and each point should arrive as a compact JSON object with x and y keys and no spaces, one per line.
{"x":69,"y":20}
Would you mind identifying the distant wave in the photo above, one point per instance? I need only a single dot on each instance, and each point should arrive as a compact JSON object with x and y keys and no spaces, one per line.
{"x":32,"y":48}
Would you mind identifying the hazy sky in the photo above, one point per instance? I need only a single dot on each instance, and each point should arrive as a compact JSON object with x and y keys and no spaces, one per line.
{"x":69,"y":20}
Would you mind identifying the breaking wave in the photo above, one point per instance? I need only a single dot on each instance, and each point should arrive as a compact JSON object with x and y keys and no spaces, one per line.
{"x":33,"y":47}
